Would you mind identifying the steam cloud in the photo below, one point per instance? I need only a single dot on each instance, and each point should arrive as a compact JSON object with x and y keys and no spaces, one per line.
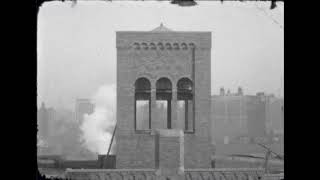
{"x":97,"y":128}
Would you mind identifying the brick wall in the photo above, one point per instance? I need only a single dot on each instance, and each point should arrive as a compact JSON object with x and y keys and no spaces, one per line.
{"x":138,"y":57}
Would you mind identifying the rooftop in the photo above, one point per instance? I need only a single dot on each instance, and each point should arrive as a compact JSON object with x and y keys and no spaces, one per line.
{"x":161,"y":28}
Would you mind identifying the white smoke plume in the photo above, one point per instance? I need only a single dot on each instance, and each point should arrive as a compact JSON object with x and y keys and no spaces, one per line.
{"x":97,"y":128}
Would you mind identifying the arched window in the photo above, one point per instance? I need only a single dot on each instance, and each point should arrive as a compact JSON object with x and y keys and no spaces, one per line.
{"x":136,"y":45}
{"x":176,"y":46}
{"x":163,"y":97}
{"x":185,"y":103}
{"x":168,"y":46}
{"x":142,"y":104}
{"x":184,"y":46}
{"x":152,"y":46}
{"x":145,"y":46}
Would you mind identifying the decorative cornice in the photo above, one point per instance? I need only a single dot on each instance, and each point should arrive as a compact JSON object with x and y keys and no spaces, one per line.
{"x":162,"y":46}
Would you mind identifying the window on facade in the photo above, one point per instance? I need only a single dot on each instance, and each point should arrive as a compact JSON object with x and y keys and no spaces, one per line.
{"x":185,"y":104}
{"x":142,"y":104}
{"x":163,"y":101}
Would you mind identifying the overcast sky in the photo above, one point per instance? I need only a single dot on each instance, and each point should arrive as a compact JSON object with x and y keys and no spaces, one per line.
{"x":77,"y":50}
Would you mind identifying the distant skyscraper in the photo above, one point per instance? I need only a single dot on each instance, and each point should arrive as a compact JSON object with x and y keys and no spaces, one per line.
{"x":46,"y":116}
{"x":83,"y":106}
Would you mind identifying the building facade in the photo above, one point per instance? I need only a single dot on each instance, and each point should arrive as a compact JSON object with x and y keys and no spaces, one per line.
{"x":229,"y":116}
{"x":275,"y":115}
{"x":45,"y":118}
{"x":163,"y":83}
{"x":256,"y":113}
{"x":237,"y":115}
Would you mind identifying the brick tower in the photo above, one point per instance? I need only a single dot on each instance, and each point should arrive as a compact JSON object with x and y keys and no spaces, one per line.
{"x":163,"y":99}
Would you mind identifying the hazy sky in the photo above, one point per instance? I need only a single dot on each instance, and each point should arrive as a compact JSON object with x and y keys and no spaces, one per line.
{"x":77,"y":50}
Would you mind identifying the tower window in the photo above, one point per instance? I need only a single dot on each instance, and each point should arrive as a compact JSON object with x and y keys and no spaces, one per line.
{"x":142,"y":104}
{"x":185,"y":104}
{"x":163,"y":101}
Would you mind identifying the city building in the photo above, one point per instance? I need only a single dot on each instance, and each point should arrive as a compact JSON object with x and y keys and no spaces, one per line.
{"x":256,"y":115}
{"x":275,"y":115}
{"x":238,"y":116}
{"x":83,"y":106}
{"x":229,"y":116}
{"x":45,"y":118}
